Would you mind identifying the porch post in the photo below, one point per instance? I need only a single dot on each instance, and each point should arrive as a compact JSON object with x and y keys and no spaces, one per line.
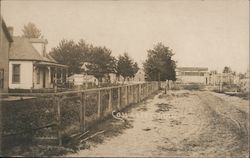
{"x":61,"y":75}
{"x":55,"y":80}
{"x":49,"y":76}
{"x":66,"y":77}
{"x":33,"y":77}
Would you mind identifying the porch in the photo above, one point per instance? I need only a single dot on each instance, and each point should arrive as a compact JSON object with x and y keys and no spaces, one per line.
{"x":49,"y":75}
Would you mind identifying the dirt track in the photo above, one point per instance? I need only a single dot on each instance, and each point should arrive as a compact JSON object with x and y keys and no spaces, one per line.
{"x":182,"y":123}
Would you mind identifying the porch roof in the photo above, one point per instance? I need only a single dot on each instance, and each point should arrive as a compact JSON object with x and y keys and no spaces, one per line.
{"x":43,"y":63}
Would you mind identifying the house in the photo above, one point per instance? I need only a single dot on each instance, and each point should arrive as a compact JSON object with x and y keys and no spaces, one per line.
{"x":112,"y":77}
{"x":5,"y":43}
{"x":139,"y":76}
{"x":244,"y":83}
{"x":215,"y":78}
{"x":192,"y":75}
{"x":31,"y":67}
{"x":80,"y":79}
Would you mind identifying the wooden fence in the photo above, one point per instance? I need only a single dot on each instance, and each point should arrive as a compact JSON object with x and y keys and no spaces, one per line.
{"x":76,"y":111}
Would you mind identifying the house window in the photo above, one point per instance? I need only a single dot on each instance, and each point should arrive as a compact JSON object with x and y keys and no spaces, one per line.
{"x":1,"y":78}
{"x":16,"y":73}
{"x":38,"y":76}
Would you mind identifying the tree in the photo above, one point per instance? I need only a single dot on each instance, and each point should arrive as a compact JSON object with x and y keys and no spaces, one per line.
{"x":31,"y":31}
{"x":241,"y":76}
{"x":100,"y":62}
{"x":227,"y":69}
{"x":159,"y":64}
{"x":68,"y":53}
{"x":126,"y":67}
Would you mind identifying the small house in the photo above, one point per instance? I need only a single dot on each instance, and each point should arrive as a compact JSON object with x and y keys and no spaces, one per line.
{"x":139,"y":76}
{"x":31,"y":67}
{"x":197,"y":75}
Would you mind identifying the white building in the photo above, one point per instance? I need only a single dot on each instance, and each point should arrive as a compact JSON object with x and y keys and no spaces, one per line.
{"x":192,"y":75}
{"x":81,"y":79}
{"x":139,"y":76}
{"x":30,"y":67}
{"x":215,"y":78}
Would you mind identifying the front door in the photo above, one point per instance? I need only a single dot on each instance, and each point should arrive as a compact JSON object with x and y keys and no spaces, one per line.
{"x":44,"y":78}
{"x":1,"y":78}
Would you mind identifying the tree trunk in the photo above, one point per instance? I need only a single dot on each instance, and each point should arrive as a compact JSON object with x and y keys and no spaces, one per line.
{"x":159,"y":80}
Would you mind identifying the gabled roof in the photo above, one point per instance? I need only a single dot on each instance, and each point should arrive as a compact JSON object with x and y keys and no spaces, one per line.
{"x":6,"y":31}
{"x":38,"y":40}
{"x":192,"y":69}
{"x":22,"y":49}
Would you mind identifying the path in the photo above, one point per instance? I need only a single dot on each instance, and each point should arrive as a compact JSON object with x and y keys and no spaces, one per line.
{"x":182,"y":123}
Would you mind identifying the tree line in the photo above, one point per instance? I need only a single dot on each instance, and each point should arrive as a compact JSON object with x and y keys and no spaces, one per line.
{"x":98,"y":61}
{"x":93,"y":60}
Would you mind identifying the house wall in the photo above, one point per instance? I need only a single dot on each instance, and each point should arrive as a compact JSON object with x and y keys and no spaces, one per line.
{"x":113,"y":78}
{"x":4,"y":59}
{"x":80,"y":79}
{"x":193,"y":79}
{"x":26,"y":72}
{"x":139,"y":76}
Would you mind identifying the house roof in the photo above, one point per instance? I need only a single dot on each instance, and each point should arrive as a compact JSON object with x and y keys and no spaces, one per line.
{"x":192,"y":69}
{"x":38,"y":40}
{"x":22,"y":49}
{"x":6,"y":31}
{"x":44,"y":63}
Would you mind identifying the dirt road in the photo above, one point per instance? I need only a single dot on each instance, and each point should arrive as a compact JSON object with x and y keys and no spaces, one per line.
{"x":182,"y":123}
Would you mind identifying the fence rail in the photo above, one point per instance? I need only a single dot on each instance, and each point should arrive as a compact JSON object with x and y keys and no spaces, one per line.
{"x":69,"y":112}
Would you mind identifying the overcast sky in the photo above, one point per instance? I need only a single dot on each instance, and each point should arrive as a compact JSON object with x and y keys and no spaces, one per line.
{"x":208,"y":33}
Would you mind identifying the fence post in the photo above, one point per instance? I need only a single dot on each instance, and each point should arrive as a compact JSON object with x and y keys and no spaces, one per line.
{"x":135,"y":93}
{"x":82,"y":112}
{"x":127,"y":98}
{"x":139,"y":92}
{"x":132,"y":92}
{"x":119,"y":97}
{"x":99,"y":103}
{"x":110,"y":99}
{"x":1,"y":125}
{"x":81,"y":109}
{"x":147,"y":90}
{"x":59,"y":128}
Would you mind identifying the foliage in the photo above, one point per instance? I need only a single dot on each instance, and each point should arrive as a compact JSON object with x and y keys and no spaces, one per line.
{"x":227,"y":69}
{"x":241,"y":76}
{"x":126,"y":67}
{"x":31,"y":31}
{"x":71,"y":54}
{"x":100,"y":62}
{"x":159,"y":64}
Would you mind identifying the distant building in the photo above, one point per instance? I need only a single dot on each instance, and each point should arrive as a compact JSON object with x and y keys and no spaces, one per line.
{"x":244,"y":83}
{"x":30,"y":66}
{"x":113,"y":78}
{"x":5,"y":43}
{"x":139,"y":76}
{"x":215,"y":78}
{"x":81,"y":79}
{"x":192,"y":75}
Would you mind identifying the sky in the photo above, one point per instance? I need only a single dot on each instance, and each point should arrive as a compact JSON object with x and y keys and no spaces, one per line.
{"x":201,"y":33}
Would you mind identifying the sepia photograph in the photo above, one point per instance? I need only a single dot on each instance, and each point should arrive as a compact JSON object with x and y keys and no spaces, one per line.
{"x":124,"y":78}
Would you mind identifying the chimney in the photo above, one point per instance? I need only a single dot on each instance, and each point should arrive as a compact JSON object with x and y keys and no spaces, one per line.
{"x":11,"y":30}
